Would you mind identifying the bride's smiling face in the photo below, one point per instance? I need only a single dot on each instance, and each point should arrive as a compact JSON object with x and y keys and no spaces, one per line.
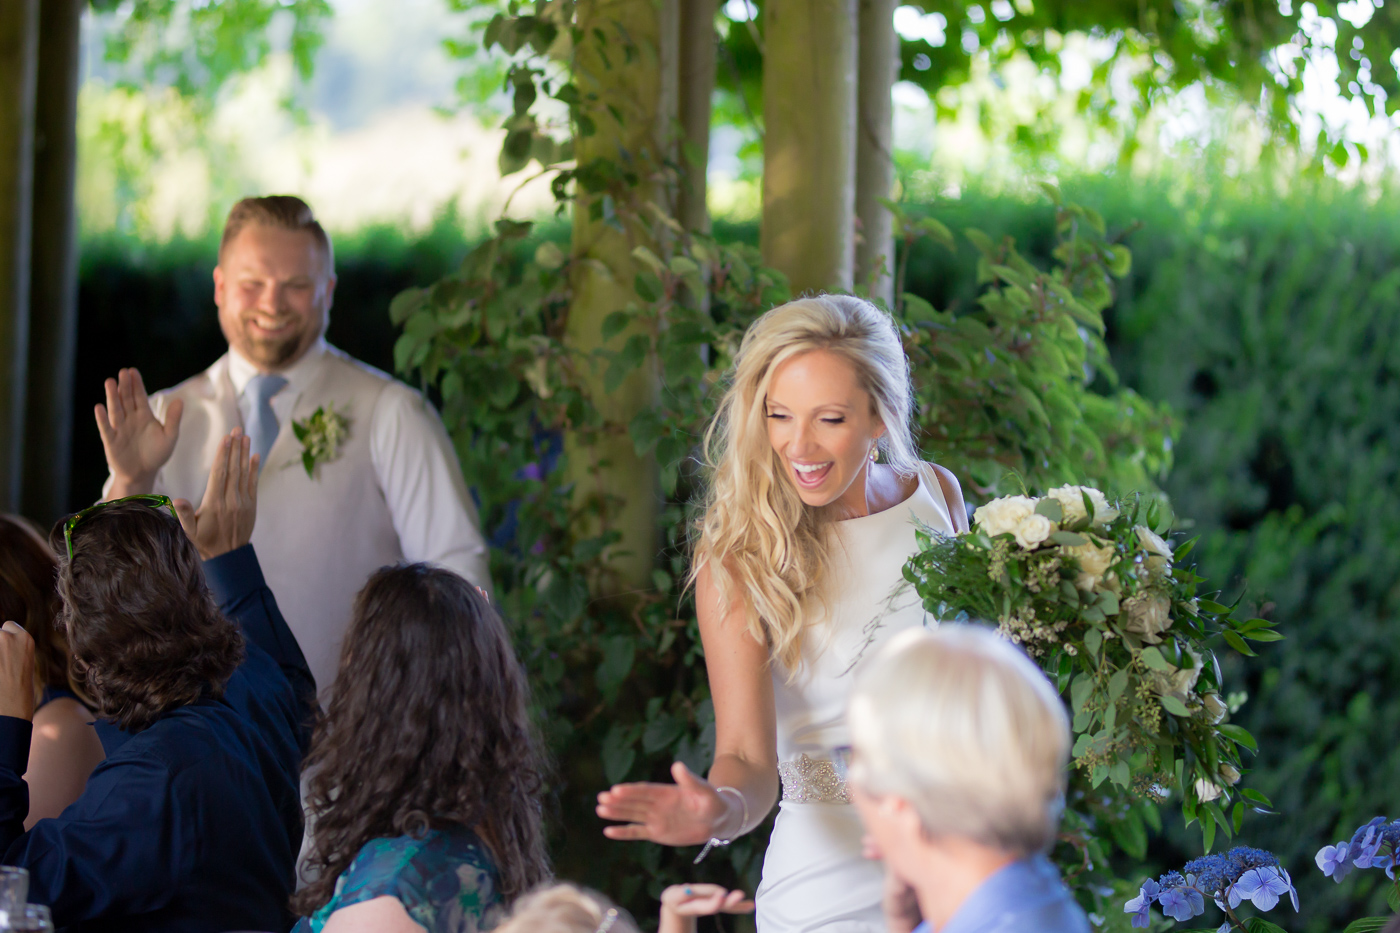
{"x":823,"y":426}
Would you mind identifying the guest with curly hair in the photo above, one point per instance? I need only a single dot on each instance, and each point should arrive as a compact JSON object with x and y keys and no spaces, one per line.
{"x":424,"y":774}
{"x":193,"y":821}
{"x":65,"y":747}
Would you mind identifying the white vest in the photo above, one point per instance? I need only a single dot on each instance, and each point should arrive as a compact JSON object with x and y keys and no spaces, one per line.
{"x":320,"y":538}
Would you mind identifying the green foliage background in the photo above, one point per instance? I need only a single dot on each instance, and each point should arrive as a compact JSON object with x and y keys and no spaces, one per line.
{"x":1266,"y":321}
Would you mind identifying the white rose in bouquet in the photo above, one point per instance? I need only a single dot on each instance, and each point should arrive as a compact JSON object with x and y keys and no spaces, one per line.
{"x":1147,"y":615}
{"x":1003,"y":515}
{"x":1033,"y":531}
{"x":1094,"y":561}
{"x":1152,"y":542}
{"x":1215,"y":708}
{"x":1207,"y":791}
{"x":1179,"y":681}
{"x":1071,"y":499}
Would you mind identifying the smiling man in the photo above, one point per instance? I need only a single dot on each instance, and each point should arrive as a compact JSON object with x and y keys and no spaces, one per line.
{"x":369,"y":479}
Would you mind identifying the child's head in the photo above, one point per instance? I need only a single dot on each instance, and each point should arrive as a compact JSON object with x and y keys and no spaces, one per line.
{"x":566,"y":908}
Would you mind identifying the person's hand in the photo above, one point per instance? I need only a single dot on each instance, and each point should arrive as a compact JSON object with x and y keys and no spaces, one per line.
{"x":16,"y":672}
{"x":682,"y":902}
{"x":224,"y":521}
{"x":900,"y":904}
{"x":686,"y":813}
{"x":137,"y":444}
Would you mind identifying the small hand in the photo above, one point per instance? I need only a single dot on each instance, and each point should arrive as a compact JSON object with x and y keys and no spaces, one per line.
{"x":900,"y":904}
{"x":704,"y":900}
{"x":682,"y":903}
{"x":137,"y":444}
{"x":225,"y":518}
{"x":16,"y":672}
{"x":686,"y":813}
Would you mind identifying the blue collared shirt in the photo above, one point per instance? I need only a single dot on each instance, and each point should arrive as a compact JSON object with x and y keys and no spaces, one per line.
{"x":192,"y":824}
{"x":1024,"y":897}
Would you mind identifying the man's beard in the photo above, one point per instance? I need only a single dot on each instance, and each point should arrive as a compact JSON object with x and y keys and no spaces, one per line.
{"x":274,"y":353}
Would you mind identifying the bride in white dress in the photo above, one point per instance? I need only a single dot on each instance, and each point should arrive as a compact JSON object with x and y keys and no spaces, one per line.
{"x":815,"y":492}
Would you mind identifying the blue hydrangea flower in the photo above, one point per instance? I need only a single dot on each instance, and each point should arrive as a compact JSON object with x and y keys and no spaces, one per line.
{"x":1182,"y":903}
{"x":1139,"y":905}
{"x":1241,"y":874}
{"x":1375,"y":844}
{"x":1263,"y":886}
{"x":1334,"y":861}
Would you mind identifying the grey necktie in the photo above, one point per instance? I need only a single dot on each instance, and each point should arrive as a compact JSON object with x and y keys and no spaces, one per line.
{"x":262,"y":426}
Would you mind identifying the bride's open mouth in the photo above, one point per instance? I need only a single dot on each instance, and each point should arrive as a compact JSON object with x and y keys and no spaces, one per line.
{"x":811,"y":475}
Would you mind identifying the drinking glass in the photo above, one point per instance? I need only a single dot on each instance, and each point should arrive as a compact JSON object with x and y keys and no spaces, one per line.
{"x":31,"y":918}
{"x":14,"y":887}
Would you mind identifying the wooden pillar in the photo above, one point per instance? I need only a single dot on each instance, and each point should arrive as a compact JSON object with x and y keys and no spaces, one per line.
{"x":19,"y":52}
{"x":635,"y":117}
{"x":809,"y":117}
{"x":879,"y":66}
{"x":53,"y":290}
{"x":697,"y":85}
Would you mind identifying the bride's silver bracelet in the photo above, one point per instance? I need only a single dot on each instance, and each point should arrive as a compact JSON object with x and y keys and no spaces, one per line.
{"x":716,"y":841}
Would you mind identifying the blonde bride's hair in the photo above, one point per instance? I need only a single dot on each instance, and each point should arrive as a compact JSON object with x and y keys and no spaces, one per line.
{"x":763,"y":546}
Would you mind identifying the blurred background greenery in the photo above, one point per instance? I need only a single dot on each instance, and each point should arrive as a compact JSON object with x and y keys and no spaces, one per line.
{"x":1263,"y":303}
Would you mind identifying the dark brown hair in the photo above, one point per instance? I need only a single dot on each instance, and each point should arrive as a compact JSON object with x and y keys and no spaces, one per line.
{"x":427,"y":727}
{"x":29,"y":596}
{"x":145,"y":634}
{"x":283,"y":211}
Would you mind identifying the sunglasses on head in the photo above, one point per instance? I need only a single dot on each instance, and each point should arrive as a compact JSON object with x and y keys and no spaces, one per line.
{"x":154,"y":501}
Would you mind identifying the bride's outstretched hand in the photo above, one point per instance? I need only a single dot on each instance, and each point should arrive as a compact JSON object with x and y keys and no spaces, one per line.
{"x":686,"y":813}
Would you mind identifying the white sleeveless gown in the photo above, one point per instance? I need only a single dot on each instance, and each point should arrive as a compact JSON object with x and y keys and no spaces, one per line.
{"x":814,"y":878}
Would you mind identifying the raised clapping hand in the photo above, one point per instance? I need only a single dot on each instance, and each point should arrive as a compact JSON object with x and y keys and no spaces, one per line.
{"x":16,"y":672}
{"x":224,"y":521}
{"x":686,"y":813}
{"x":682,"y":903}
{"x":136,"y":443}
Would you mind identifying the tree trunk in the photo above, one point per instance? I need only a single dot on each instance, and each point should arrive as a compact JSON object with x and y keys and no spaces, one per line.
{"x":53,"y":296}
{"x":640,"y":84}
{"x":19,"y":52}
{"x":879,"y":65}
{"x":697,"y":85}
{"x":809,"y":118}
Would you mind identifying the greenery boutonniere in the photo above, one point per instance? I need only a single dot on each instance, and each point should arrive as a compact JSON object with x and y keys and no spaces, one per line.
{"x":321,"y":436}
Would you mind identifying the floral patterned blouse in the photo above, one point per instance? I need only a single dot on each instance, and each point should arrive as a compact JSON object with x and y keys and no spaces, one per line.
{"x":446,"y":881}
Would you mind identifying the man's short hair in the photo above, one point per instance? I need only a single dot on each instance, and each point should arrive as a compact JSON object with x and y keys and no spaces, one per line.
{"x":283,"y":211}
{"x":145,"y":633}
{"x":962,"y":725}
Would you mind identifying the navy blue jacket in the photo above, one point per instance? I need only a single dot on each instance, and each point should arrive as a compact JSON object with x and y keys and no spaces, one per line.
{"x":194,"y":823}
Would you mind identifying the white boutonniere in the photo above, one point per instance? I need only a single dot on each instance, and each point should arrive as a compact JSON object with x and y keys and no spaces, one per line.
{"x":321,"y":436}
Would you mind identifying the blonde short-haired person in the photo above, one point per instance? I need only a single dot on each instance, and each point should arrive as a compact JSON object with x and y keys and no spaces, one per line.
{"x":957,"y":769}
{"x":568,"y":908}
{"x":816,"y":494}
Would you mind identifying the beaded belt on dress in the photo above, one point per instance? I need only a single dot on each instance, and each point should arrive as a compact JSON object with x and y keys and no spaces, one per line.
{"x":812,"y":780}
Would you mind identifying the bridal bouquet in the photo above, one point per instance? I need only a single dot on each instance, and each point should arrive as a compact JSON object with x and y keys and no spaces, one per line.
{"x":1101,"y":601}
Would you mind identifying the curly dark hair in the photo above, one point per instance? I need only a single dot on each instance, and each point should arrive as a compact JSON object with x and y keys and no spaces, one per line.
{"x":29,"y":596}
{"x":427,"y":726}
{"x":145,"y":633}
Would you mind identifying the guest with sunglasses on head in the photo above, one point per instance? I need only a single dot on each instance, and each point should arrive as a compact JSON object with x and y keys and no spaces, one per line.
{"x":193,"y":821}
{"x":65,"y":747}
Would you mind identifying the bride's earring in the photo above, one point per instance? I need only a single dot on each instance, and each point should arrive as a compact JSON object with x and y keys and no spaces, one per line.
{"x":875,"y":453}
